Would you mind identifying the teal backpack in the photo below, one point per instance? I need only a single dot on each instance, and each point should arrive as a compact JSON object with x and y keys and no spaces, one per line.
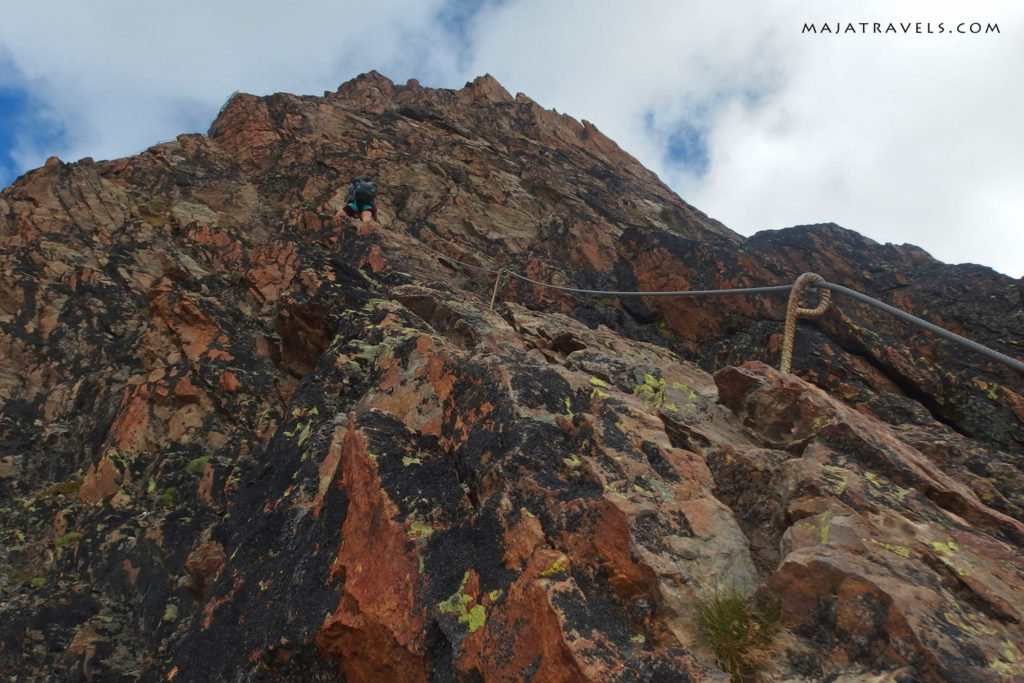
{"x":361,"y":196}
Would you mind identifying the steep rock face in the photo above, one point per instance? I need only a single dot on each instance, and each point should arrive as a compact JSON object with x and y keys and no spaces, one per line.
{"x":241,"y":440}
{"x":945,"y":379}
{"x":865,"y":516}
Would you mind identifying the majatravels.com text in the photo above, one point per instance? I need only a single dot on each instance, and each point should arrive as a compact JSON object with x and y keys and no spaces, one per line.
{"x":900,"y":28}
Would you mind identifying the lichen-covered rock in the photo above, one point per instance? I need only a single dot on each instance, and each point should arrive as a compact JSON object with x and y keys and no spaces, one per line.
{"x":240,"y":440}
{"x":884,"y":559}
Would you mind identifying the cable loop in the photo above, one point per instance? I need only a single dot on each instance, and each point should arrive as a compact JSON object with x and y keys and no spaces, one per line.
{"x":794,"y":311}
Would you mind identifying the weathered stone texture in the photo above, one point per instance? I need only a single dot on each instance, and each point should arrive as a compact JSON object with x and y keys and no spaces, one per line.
{"x":240,"y":440}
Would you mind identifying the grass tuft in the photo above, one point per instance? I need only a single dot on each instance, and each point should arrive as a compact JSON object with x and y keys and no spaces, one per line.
{"x":739,"y":628}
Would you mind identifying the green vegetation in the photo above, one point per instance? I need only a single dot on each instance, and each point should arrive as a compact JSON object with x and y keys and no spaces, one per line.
{"x":167,"y":499}
{"x":197,"y":465}
{"x":739,"y":629}
{"x":67,"y":539}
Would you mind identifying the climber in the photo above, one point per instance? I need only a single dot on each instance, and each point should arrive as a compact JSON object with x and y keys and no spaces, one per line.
{"x":361,"y":199}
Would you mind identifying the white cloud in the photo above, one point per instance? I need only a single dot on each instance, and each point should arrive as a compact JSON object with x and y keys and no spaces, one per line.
{"x":120,"y":75}
{"x":904,"y":138}
{"x":614,"y":63}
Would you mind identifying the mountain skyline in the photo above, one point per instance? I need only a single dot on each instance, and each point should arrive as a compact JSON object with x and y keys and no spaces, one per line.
{"x":909,"y":136}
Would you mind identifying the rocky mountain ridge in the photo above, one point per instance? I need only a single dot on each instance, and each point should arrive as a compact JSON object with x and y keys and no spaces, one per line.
{"x":244,"y":441}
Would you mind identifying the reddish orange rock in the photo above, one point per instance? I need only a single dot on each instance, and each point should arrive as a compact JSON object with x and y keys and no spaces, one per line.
{"x":229,"y":382}
{"x":204,"y":564}
{"x":101,"y":480}
{"x":336,"y":449}
{"x":377,"y":629}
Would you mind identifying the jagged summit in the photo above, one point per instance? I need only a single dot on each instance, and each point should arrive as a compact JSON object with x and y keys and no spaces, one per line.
{"x":243,"y":440}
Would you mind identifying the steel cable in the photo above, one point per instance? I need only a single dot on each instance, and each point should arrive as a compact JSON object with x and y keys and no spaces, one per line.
{"x":775,"y":289}
{"x":906,"y":317}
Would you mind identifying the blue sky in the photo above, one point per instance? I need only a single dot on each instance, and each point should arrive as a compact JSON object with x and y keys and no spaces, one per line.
{"x":907,"y":136}
{"x":11,"y":106}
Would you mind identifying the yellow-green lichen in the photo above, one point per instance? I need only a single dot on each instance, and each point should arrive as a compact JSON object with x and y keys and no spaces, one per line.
{"x":555,"y":568}
{"x":1009,"y":664}
{"x":419,"y":530}
{"x":951,"y":556}
{"x":302,"y":429}
{"x":67,"y":539}
{"x":1010,"y":651}
{"x":690,"y":393}
{"x":820,"y":422}
{"x":901,"y":493}
{"x":197,"y":465}
{"x":898,"y":549}
{"x":838,"y":476}
{"x":167,"y":499}
{"x":1005,"y":669}
{"x":475,"y":618}
{"x":458,"y":603}
{"x":975,"y":628}
{"x":651,"y":392}
{"x":304,"y":433}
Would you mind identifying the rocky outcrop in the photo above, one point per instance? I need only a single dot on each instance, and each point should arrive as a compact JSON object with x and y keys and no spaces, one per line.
{"x":877,"y":548}
{"x":241,"y":440}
